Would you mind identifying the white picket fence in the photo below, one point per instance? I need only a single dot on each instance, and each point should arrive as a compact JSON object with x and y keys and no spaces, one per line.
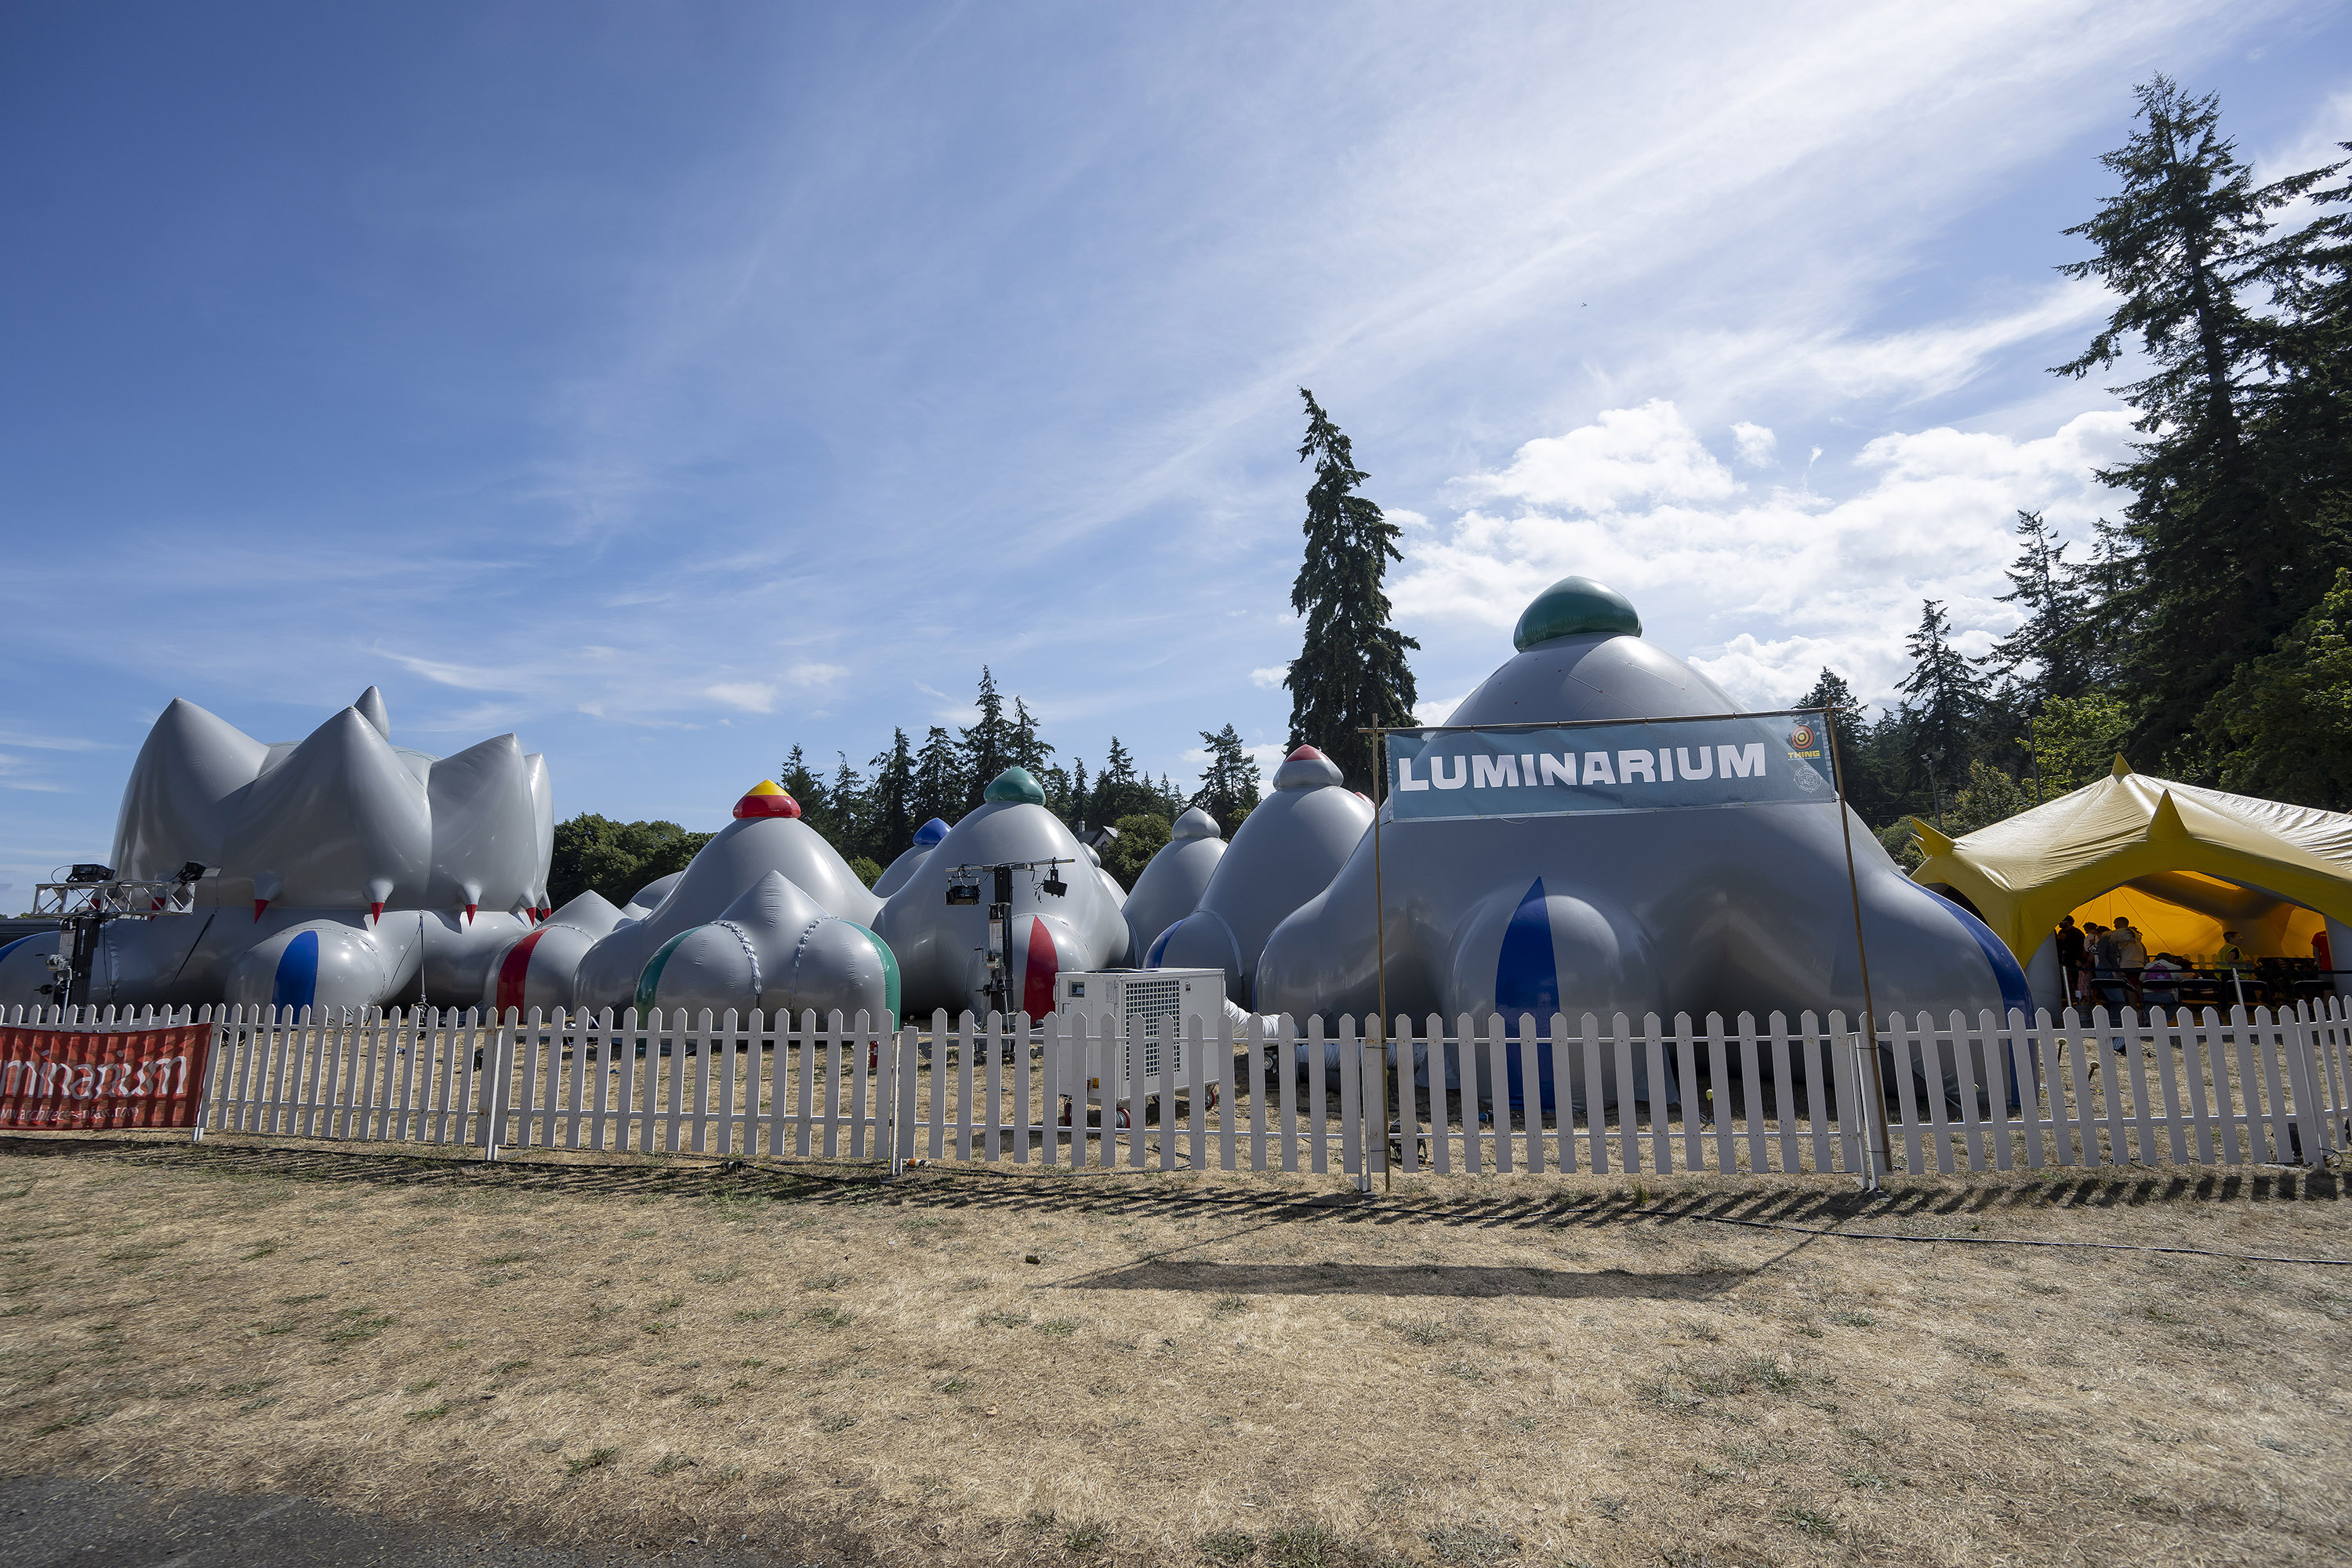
{"x":1995,"y":1094}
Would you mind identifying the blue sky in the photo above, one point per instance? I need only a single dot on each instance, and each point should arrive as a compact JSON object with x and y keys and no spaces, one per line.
{"x":672,"y":384}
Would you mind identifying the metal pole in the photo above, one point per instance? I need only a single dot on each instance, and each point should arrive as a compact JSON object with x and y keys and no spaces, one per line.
{"x":1878,"y":1086}
{"x":1381,"y":940}
{"x":1379,"y":898}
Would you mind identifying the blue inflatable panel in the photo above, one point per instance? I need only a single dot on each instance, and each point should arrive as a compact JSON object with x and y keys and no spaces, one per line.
{"x":295,"y":983}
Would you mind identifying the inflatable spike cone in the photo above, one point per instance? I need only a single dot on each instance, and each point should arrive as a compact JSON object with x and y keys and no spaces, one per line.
{"x":767,"y":798}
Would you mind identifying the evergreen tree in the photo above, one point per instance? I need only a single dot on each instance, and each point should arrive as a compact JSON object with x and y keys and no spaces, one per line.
{"x":938,"y":780}
{"x":2213,"y":563}
{"x":1023,"y":748}
{"x":1229,"y":784}
{"x":1119,"y":791}
{"x":805,"y":788}
{"x":988,"y":744}
{"x":1055,"y":782}
{"x":1861,"y":749}
{"x":1831,"y":691}
{"x":2288,"y":716}
{"x":2306,"y":432}
{"x":890,"y":805}
{"x":1946,"y":701}
{"x":852,"y":827}
{"x":1081,"y":798}
{"x":1350,"y":673}
{"x":2052,"y":644}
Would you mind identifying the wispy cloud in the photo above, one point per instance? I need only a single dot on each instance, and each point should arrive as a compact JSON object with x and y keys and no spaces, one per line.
{"x":751,"y":697}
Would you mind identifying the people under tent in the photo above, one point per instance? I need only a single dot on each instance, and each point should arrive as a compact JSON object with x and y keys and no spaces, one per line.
{"x":2219,"y":899}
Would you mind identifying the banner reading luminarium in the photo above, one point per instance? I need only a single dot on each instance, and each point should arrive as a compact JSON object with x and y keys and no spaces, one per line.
{"x":68,"y":1078}
{"x":1644,"y":764}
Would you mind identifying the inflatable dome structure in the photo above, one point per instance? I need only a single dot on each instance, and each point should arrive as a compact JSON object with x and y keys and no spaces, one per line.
{"x":1171,"y":884}
{"x":351,"y":872}
{"x":943,"y":948}
{"x":767,"y":836}
{"x":1659,"y":911}
{"x":1283,"y":853}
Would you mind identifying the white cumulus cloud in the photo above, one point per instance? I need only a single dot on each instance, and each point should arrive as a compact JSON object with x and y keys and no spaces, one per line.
{"x":1763,"y":587}
{"x":1754,"y":443}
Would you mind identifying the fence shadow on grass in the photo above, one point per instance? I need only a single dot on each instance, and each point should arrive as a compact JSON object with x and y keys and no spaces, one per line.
{"x":1410,"y":1279}
{"x":1927,"y":1207}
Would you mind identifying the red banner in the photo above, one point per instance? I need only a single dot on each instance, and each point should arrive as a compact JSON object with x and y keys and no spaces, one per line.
{"x":113,"y":1077}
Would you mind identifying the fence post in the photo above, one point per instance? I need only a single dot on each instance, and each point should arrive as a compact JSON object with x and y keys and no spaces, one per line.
{"x":2309,"y":1125}
{"x":492,"y":1100}
{"x":1864,"y":1108}
{"x":902,"y":1100}
{"x":214,"y":1069}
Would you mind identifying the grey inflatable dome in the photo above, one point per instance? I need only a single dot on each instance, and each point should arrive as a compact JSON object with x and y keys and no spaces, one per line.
{"x":1283,"y":853}
{"x":1664,"y":911}
{"x":1171,"y":884}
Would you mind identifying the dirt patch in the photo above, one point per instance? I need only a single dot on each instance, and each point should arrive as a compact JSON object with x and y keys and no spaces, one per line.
{"x":1030,"y":1366}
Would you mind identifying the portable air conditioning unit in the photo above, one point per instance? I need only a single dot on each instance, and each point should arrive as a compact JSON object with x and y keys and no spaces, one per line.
{"x":1147,"y":1009}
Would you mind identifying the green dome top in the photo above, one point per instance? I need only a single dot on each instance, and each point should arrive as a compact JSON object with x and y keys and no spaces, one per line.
{"x":1575,"y":607}
{"x":1015,"y":783}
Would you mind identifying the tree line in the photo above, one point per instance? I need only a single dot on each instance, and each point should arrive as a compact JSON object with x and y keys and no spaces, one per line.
{"x":871,"y":815}
{"x":2207,"y":635}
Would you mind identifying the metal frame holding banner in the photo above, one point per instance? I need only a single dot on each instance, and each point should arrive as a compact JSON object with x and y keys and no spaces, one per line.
{"x":1511,"y":772}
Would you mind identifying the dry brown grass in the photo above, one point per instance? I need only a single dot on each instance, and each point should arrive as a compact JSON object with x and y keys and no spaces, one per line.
{"x":1022,"y":1366}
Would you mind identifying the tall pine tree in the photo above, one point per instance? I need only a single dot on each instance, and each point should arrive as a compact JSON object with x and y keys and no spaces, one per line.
{"x":988,"y":743}
{"x":1119,"y":791}
{"x":1229,"y":784}
{"x":1350,"y":673}
{"x":891,"y":804}
{"x":2212,"y":561}
{"x":1946,"y":699}
{"x":1023,"y":746}
{"x":938,"y":779}
{"x":852,"y":824}
{"x":809,"y":793}
{"x":2053,"y":647}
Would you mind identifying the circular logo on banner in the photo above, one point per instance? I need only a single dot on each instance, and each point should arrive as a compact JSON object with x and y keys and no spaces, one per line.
{"x":1800,"y":739}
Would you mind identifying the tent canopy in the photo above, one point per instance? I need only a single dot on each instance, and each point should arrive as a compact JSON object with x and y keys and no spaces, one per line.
{"x":2188,"y":861}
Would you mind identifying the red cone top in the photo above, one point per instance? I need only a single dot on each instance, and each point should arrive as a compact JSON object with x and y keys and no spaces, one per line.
{"x":767,"y":799}
{"x":1308,"y":752}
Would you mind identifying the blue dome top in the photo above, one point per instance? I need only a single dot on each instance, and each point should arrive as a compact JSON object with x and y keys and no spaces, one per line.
{"x":1576,"y":606}
{"x":930,"y":833}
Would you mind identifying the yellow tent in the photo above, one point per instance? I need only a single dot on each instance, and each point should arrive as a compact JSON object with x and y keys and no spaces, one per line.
{"x":2183,"y":862}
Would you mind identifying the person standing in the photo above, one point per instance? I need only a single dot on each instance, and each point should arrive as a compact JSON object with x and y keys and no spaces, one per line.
{"x":2131,"y":961}
{"x":2071,"y":946}
{"x":2103,"y":966}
